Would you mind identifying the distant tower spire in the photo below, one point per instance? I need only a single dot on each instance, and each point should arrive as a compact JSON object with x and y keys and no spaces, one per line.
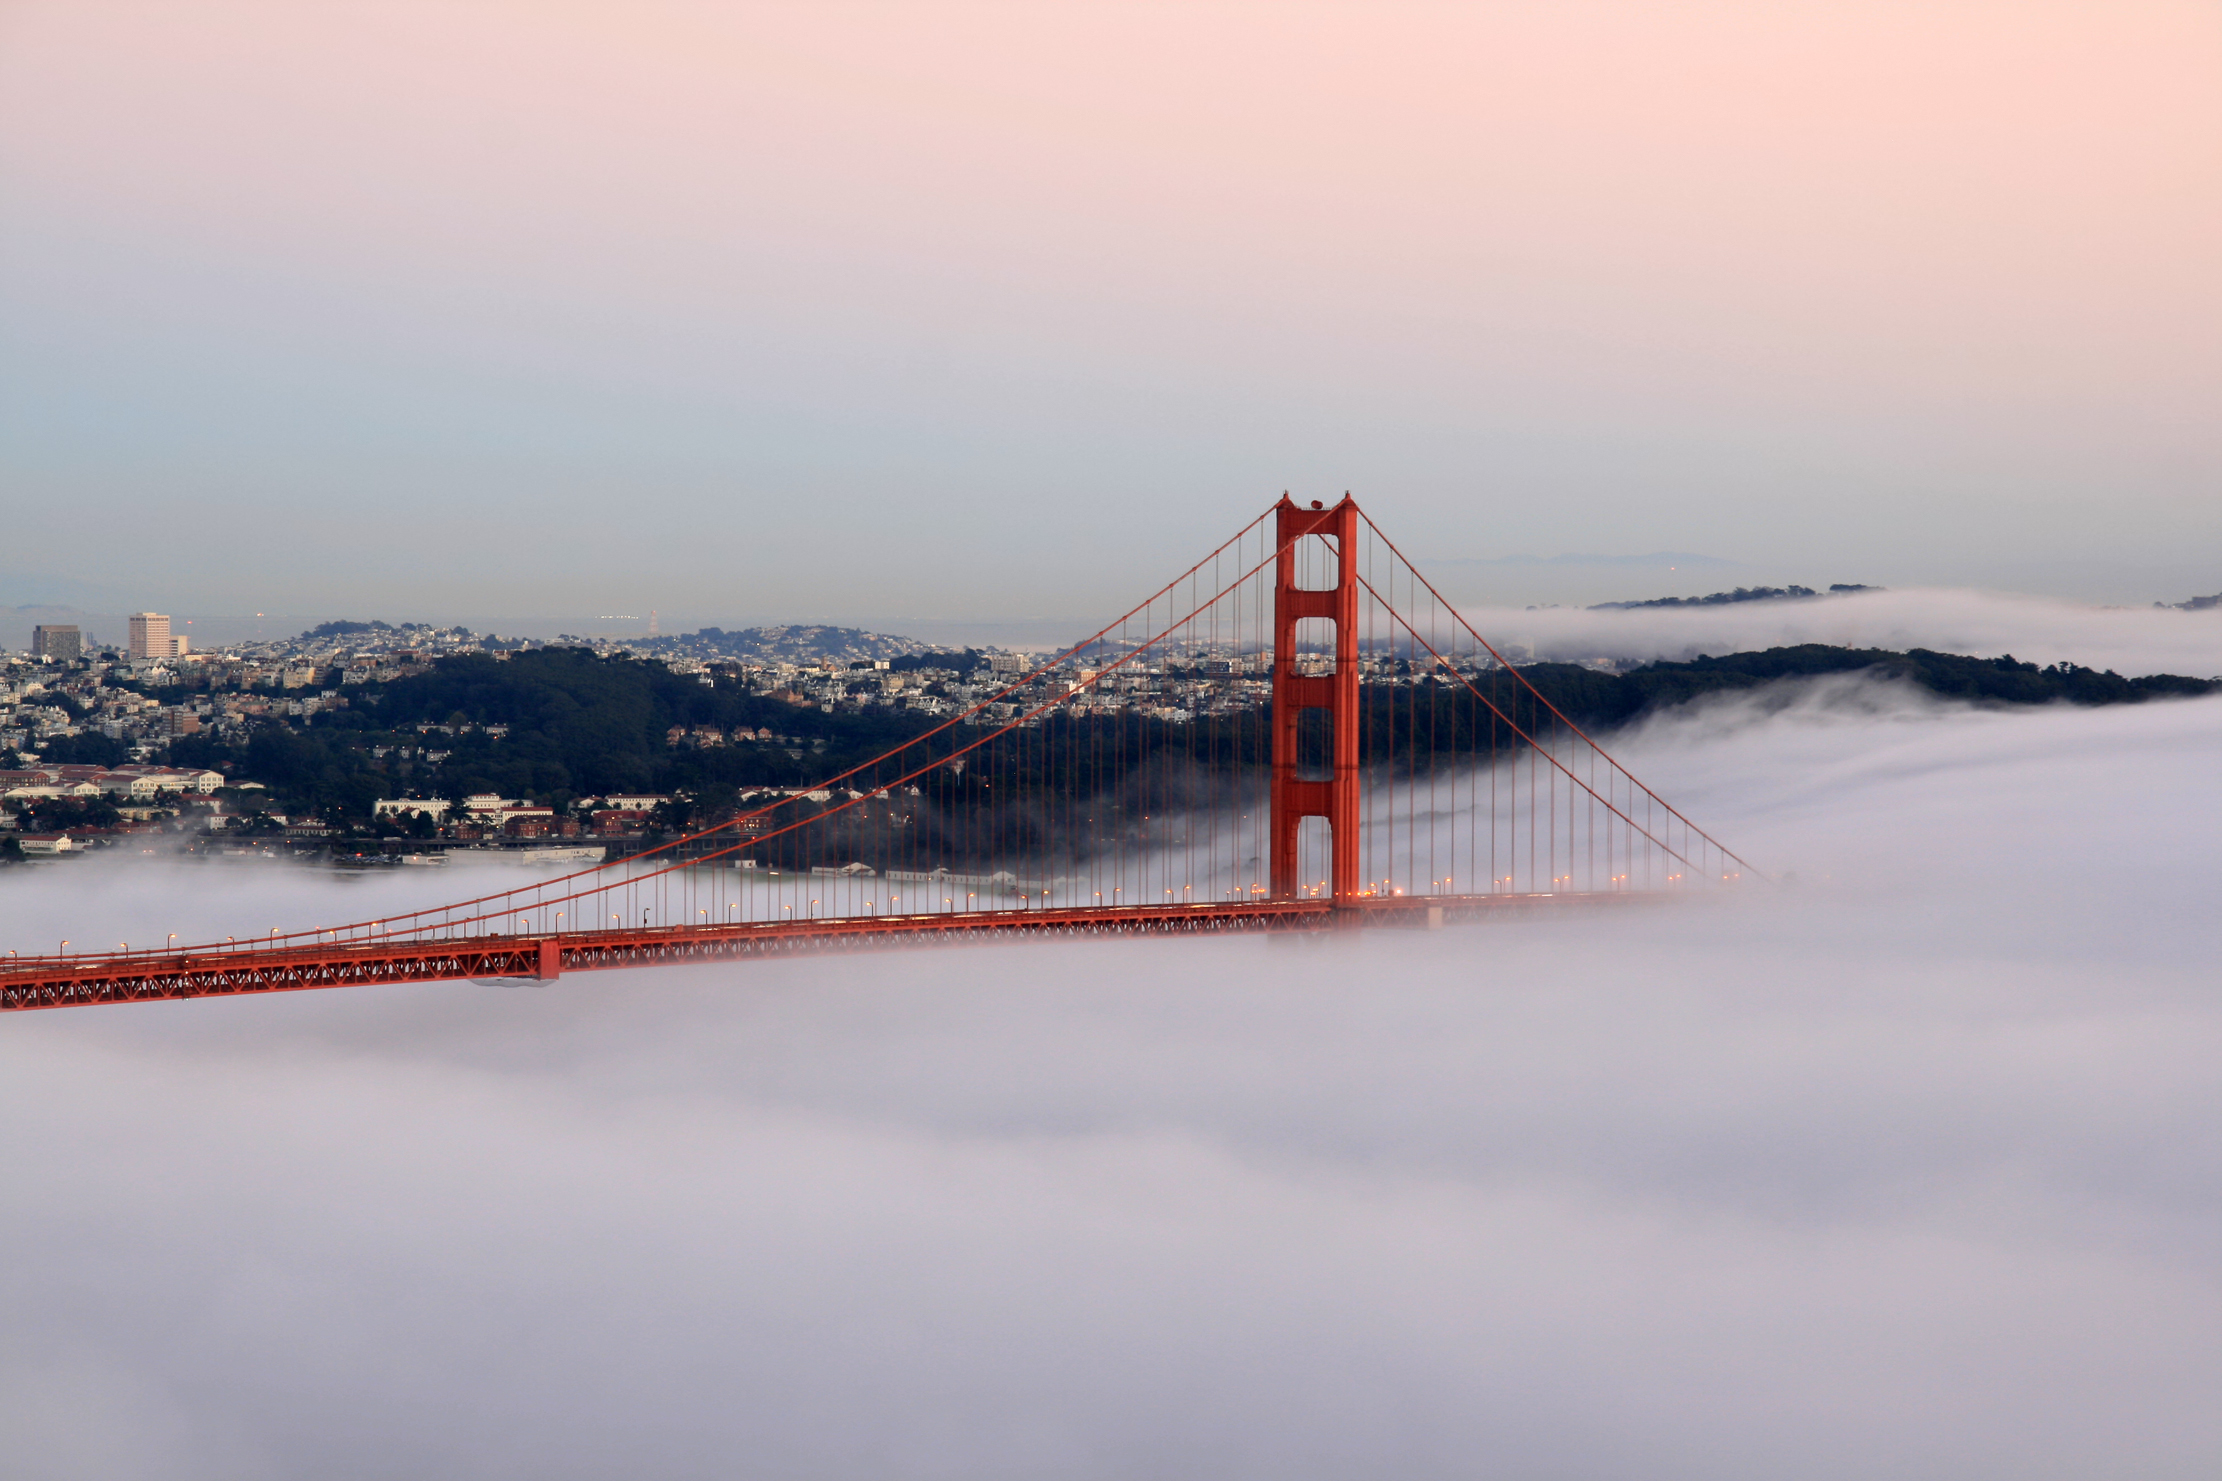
{"x":651,"y":622}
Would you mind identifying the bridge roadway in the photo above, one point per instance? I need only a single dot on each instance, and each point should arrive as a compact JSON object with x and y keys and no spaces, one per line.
{"x":138,"y":977}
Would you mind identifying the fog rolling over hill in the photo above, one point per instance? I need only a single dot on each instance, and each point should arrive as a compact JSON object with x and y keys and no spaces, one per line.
{"x":1792,"y":593}
{"x":2143,"y":639}
{"x":1901,"y":1169}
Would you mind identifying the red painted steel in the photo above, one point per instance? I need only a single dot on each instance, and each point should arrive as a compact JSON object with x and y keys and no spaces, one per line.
{"x":1334,"y":797}
{"x":1540,"y":698}
{"x":157,"y":976}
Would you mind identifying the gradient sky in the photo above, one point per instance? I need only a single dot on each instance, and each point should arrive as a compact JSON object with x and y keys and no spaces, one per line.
{"x":892,"y":314}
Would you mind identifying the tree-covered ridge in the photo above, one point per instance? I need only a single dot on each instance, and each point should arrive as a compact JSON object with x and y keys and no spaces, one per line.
{"x":2004,"y":680}
{"x":1442,"y":714}
{"x":559,"y":723}
{"x":572,"y":723}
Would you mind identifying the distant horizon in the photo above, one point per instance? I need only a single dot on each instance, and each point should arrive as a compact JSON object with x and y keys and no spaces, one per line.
{"x":1517,"y":580}
{"x":542,"y":626}
{"x":2133,"y":637}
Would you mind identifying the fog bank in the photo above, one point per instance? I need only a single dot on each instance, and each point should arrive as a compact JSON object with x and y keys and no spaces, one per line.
{"x":2129,"y":640}
{"x":1908,"y":1168}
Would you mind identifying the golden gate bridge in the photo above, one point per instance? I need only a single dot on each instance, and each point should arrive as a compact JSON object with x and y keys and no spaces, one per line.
{"x":1360,"y":756}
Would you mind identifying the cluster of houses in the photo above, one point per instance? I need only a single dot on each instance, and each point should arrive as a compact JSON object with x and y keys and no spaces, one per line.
{"x":488,"y":814}
{"x":711,"y":735}
{"x":122,"y":785}
{"x":114,"y":782}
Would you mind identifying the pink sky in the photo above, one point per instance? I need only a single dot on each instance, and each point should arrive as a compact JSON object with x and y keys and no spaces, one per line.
{"x":1926,"y":291}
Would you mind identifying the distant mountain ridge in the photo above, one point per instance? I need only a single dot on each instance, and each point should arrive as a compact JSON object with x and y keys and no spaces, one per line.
{"x":1740,"y":594}
{"x":16,"y":623}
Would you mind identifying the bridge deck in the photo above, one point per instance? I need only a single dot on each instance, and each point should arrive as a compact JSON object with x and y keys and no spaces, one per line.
{"x":149,"y":976}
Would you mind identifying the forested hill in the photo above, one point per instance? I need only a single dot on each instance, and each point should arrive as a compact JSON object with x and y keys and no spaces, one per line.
{"x":1589,"y":697}
{"x":555,"y":724}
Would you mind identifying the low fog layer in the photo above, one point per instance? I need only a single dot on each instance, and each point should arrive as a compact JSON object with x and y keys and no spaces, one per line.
{"x":2129,"y":640}
{"x":1908,"y":1168}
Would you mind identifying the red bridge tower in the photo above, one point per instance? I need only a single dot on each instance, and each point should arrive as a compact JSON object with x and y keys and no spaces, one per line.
{"x":1297,"y":797}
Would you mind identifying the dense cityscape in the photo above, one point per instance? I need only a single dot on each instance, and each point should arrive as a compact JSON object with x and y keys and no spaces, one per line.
{"x":364,"y":743}
{"x":168,"y":750}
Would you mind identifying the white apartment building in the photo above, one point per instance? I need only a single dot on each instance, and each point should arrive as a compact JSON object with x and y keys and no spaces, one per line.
{"x":435,"y":808}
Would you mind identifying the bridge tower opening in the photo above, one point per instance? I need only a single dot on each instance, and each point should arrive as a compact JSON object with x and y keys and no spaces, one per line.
{"x":1296,"y":797}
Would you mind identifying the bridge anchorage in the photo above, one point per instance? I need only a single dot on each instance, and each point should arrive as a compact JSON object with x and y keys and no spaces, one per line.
{"x":1297,"y":732}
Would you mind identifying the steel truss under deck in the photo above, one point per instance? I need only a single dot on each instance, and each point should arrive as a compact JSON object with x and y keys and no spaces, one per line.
{"x":154,"y":976}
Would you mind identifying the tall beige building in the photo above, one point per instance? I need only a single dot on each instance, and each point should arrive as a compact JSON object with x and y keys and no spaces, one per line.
{"x":150,"y":635}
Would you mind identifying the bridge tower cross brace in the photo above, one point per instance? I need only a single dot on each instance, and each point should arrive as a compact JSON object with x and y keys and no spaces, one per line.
{"x":1296,"y":797}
